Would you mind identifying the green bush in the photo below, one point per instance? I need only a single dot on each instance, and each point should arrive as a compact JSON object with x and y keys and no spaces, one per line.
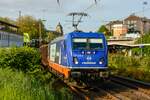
{"x":25,"y":59}
{"x":23,"y":78}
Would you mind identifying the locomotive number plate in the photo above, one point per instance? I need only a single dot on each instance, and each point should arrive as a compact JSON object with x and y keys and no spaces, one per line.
{"x":88,"y":62}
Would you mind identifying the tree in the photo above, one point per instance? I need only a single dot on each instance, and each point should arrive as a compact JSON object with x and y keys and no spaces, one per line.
{"x":145,"y":39}
{"x":29,"y":24}
{"x":104,"y":30}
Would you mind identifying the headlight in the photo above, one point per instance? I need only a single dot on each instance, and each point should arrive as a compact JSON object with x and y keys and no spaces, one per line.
{"x":101,"y":61}
{"x":83,"y":52}
{"x":75,"y":60}
{"x":93,"y":52}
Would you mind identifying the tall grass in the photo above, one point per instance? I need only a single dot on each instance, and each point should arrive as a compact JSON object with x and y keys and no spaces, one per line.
{"x":18,"y":86}
{"x":134,"y":67}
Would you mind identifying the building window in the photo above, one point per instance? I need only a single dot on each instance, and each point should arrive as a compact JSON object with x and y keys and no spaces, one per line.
{"x":128,"y":22}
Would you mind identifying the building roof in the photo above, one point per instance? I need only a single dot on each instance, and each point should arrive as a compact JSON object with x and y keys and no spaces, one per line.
{"x":57,"y":39}
{"x":115,"y":22}
{"x":133,"y":17}
{"x":6,"y":23}
{"x":145,"y":19}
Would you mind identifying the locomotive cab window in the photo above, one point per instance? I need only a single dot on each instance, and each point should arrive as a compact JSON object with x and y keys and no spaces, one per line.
{"x":95,"y":44}
{"x":79,"y":43}
{"x":87,"y":43}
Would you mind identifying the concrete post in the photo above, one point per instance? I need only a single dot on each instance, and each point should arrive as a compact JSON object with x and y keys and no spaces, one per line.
{"x":130,"y":52}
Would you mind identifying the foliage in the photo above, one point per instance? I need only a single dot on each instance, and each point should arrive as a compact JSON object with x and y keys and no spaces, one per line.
{"x":29,"y":24}
{"x":23,"y":78}
{"x":25,"y":58}
{"x":103,"y":29}
{"x":134,"y":67}
{"x":16,"y":85}
{"x":137,"y":66}
{"x":51,"y":36}
{"x":146,"y":50}
{"x":32,"y":26}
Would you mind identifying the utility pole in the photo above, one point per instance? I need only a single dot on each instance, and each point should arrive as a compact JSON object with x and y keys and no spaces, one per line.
{"x":40,"y":27}
{"x":19,"y":18}
{"x":143,"y":19}
{"x":40,"y":34}
{"x":143,"y":27}
{"x":19,"y":14}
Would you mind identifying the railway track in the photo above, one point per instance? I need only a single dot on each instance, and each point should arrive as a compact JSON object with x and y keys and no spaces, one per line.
{"x":88,"y":92}
{"x":124,"y":92}
{"x":92,"y":93}
{"x":134,"y":84}
{"x":115,"y":89}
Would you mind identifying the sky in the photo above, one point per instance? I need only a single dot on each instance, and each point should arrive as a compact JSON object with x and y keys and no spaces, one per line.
{"x":99,"y":14}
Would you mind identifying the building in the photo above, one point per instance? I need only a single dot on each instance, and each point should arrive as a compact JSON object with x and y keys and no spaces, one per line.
{"x":8,"y":27}
{"x":117,"y":28}
{"x":55,"y":33}
{"x":59,"y":29}
{"x":136,"y":24}
{"x":109,"y":26}
{"x":133,"y":26}
{"x":146,"y":24}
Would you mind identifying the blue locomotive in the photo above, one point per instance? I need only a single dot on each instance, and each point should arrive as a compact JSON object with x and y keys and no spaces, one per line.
{"x":76,"y":54}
